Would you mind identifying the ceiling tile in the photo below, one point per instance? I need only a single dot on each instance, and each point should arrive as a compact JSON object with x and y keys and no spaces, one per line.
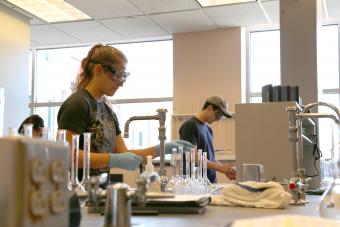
{"x":35,"y":21}
{"x":333,"y":7}
{"x":185,"y":21}
{"x":245,"y":14}
{"x":101,"y":9}
{"x":46,"y":35}
{"x":88,"y":31}
{"x":157,"y":6}
{"x":273,"y":10}
{"x":135,"y":27}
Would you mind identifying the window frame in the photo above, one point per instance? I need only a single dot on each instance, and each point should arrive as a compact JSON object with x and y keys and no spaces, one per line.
{"x":249,"y":95}
{"x":33,"y":103}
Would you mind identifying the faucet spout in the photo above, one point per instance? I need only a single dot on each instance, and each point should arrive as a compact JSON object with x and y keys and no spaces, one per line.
{"x":329,"y":105}
{"x":135,"y":118}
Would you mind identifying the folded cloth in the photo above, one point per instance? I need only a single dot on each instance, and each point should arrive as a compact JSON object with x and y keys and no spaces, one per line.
{"x":287,"y":220}
{"x":253,"y":194}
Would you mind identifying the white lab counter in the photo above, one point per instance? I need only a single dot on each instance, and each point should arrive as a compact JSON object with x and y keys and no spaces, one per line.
{"x":214,"y":216}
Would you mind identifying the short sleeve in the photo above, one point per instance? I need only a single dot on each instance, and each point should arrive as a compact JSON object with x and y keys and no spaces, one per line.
{"x":74,"y":115}
{"x":188,"y":132}
{"x":115,"y":119}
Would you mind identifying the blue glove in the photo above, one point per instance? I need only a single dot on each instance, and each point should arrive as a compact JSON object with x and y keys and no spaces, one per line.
{"x":175,"y":144}
{"x":126,"y":160}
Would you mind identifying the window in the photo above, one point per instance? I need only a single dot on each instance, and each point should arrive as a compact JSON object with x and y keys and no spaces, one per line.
{"x":328,"y":85}
{"x":264,"y":62}
{"x":148,"y":88}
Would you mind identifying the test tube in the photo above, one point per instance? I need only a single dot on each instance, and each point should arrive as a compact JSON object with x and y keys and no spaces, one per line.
{"x":61,"y":135}
{"x":199,"y":162}
{"x":45,"y":133}
{"x":173,"y":161}
{"x":180,"y":160}
{"x":75,"y":185}
{"x":204,"y":160}
{"x":180,"y":181}
{"x":28,"y":130}
{"x":86,"y":162}
{"x":192,"y":158}
{"x":187,"y":164}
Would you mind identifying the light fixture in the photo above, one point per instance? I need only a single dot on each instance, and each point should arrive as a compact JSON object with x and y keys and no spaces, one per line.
{"x":50,"y":10}
{"x":206,"y":3}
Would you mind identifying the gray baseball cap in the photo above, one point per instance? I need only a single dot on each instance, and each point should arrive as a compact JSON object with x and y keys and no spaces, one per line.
{"x":221,"y":104}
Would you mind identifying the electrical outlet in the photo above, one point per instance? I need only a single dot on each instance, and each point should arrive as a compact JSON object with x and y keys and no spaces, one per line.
{"x":38,"y":204}
{"x":57,"y":202}
{"x":37,"y":171}
{"x":57,"y":172}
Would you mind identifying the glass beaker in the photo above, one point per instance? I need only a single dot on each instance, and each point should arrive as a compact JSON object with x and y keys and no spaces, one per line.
{"x":12,"y":131}
{"x":180,"y":182}
{"x":330,"y":201}
{"x":86,"y":163}
{"x":170,"y":187}
{"x":206,"y":181}
{"x":28,"y":130}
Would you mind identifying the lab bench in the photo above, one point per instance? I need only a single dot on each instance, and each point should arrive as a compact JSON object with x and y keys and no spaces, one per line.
{"x":213,"y":216}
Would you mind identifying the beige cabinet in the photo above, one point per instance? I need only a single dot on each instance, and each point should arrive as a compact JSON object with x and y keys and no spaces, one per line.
{"x":262,"y":138}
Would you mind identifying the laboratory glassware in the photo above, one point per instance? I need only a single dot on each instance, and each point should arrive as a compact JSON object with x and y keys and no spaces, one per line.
{"x":28,"y":130}
{"x":86,"y":161}
{"x":74,"y":183}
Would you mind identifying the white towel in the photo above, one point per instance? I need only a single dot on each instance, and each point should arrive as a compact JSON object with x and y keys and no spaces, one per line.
{"x":253,"y":194}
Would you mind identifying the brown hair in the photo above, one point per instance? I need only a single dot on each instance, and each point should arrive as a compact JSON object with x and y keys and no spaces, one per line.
{"x":98,"y":54}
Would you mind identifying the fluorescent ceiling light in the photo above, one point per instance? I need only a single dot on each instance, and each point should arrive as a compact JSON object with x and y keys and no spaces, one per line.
{"x":50,"y":10}
{"x":206,"y":3}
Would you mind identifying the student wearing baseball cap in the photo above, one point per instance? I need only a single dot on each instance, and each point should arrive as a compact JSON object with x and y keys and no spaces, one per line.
{"x":198,"y":132}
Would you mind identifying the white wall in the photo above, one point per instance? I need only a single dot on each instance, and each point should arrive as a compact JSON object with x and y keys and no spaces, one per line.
{"x":205,"y":64}
{"x":299,"y":21}
{"x":14,"y":70}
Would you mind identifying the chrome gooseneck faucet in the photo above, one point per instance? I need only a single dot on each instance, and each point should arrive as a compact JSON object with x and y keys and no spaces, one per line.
{"x":161,"y":116}
{"x":298,"y":182}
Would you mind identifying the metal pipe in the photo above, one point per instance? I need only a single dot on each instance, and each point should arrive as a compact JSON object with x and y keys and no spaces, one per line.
{"x":161,"y":117}
{"x":135,"y":118}
{"x":318,"y":115}
{"x":298,"y":183}
{"x":293,"y":138}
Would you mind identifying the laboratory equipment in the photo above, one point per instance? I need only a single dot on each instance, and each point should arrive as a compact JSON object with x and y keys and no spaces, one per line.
{"x":33,"y":182}
{"x":28,"y":130}
{"x":12,"y":131}
{"x":45,"y":133}
{"x":61,"y":135}
{"x":171,"y":186}
{"x":261,"y":132}
{"x":74,"y":182}
{"x":161,"y":116}
{"x":298,"y":183}
{"x":86,"y":161}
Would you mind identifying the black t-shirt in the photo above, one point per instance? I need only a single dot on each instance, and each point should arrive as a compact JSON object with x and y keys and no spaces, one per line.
{"x":200,"y":134}
{"x":82,"y":113}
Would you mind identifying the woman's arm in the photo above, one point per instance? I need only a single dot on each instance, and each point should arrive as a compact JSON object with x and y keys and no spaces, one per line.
{"x":120,"y":147}
{"x":98,"y":160}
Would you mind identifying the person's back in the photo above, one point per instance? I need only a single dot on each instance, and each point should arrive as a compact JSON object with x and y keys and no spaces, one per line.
{"x":200,"y":134}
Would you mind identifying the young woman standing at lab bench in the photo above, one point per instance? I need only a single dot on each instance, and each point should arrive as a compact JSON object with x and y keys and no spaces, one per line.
{"x":101,"y":74}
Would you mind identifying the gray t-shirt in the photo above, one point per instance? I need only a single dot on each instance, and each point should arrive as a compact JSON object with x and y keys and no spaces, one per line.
{"x":82,"y":113}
